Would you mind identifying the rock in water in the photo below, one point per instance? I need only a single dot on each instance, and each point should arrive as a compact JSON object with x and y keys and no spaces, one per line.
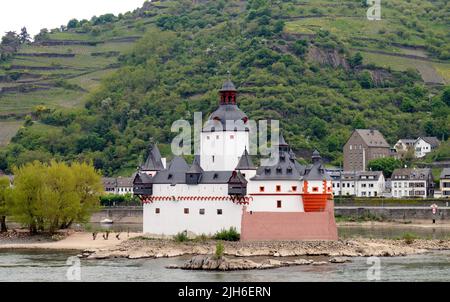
{"x":339,"y":260}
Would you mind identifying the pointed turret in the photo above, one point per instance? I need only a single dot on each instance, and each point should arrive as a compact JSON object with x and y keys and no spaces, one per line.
{"x":178,"y":164}
{"x":194,"y":174}
{"x":282,"y":145}
{"x":316,"y":171}
{"x":245,"y":162}
{"x":153,"y":161}
{"x":316,"y":158}
{"x":195,"y":167}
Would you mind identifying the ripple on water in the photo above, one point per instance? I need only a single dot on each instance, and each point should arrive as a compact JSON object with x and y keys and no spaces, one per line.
{"x":51,"y":266}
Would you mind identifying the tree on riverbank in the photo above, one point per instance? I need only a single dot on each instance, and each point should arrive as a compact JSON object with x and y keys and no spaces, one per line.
{"x":51,"y":197}
{"x":4,"y":187}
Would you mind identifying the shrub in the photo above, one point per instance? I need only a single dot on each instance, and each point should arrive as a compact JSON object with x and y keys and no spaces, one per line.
{"x":409,"y":238}
{"x":219,"y":250}
{"x":228,"y":235}
{"x":181,"y":237}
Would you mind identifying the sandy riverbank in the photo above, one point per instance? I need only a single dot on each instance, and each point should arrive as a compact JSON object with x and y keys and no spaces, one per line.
{"x":73,"y":241}
{"x":425,"y":224}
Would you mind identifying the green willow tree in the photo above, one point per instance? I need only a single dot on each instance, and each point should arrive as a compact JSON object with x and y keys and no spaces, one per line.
{"x":4,"y":188}
{"x":48,"y":197}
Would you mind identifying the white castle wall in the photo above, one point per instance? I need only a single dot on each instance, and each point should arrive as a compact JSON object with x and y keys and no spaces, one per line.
{"x":172,"y":219}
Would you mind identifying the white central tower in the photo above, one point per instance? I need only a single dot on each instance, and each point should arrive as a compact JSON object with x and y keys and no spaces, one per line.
{"x":225,"y":135}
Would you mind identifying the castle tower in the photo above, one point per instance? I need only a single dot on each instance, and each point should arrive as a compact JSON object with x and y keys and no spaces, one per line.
{"x":225,"y":135}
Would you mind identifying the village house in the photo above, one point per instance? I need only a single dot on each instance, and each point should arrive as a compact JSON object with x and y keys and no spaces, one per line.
{"x":359,"y":184}
{"x":445,"y":182}
{"x":363,"y":146}
{"x":407,"y":183}
{"x":119,"y":185}
{"x":424,"y":145}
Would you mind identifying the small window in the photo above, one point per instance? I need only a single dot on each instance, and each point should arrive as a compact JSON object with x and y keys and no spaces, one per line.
{"x":186,"y":211}
{"x":219,"y":211}
{"x":213,"y":158}
{"x":202,"y":211}
{"x":217,"y":137}
{"x":278,"y":203}
{"x":278,"y":188}
{"x":207,"y":137}
{"x":261,"y":189}
{"x":294,"y":188}
{"x":315,"y":189}
{"x":157,"y":211}
{"x":231,"y":136}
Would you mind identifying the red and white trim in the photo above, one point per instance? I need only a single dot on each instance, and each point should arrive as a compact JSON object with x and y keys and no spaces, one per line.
{"x":237,"y":200}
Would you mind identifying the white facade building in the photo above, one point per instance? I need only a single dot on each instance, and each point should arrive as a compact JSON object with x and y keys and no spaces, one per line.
{"x":359,"y":184}
{"x":445,"y":182}
{"x":412,"y":183}
{"x":424,"y":145}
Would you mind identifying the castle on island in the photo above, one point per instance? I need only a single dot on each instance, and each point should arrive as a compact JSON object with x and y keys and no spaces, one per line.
{"x":223,"y":187}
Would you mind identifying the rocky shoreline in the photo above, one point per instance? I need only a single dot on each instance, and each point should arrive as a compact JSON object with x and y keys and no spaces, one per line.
{"x":240,"y":255}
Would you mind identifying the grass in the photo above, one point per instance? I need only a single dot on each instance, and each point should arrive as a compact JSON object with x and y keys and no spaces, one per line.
{"x":181,"y":237}
{"x":228,"y":235}
{"x":7,"y":130}
{"x":409,"y":238}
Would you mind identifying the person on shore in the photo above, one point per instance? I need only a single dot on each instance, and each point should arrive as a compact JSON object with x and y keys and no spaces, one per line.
{"x":94,"y":235}
{"x":106,"y":235}
{"x":118,"y":236}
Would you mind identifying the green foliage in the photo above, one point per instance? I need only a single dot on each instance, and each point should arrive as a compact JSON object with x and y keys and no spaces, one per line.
{"x":181,"y":237}
{"x":4,"y":209}
{"x":228,"y":235}
{"x":385,"y":164}
{"x":50,"y":197}
{"x":182,"y":60}
{"x":356,"y":60}
{"x":219,"y":250}
{"x":110,"y":200}
{"x":446,"y":96}
{"x":409,"y":238}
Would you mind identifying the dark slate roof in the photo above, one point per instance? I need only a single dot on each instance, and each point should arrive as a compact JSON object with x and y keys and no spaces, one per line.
{"x":285,"y":169}
{"x":411,"y":174}
{"x":433,"y":141}
{"x":373,"y":138}
{"x":109,"y":181}
{"x":224,"y":113}
{"x":316,"y":172}
{"x":445,"y":174}
{"x":195,"y":167}
{"x":228,"y":86}
{"x":178,"y":164}
{"x":153,"y":161}
{"x":179,"y":177}
{"x":349,"y":176}
{"x":125,"y":181}
{"x":245,"y":162}
{"x":143,"y":178}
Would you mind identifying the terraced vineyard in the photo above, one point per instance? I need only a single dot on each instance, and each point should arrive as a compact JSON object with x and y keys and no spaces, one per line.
{"x":59,"y":72}
{"x":318,"y":66}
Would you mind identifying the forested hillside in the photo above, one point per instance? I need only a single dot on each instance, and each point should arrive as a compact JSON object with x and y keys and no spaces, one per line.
{"x":320,"y":67}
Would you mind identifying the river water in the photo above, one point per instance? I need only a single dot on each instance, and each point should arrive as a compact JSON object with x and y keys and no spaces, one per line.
{"x":52,"y":265}
{"x":37,"y":266}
